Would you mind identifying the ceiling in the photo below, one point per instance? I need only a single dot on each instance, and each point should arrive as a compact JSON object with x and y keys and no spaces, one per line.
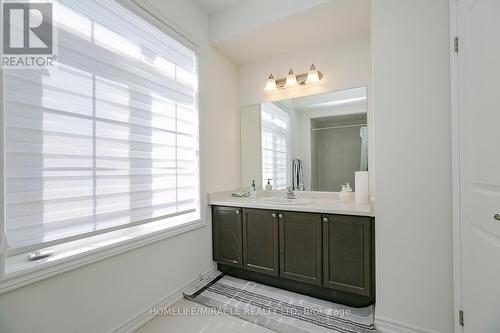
{"x":313,"y":27}
{"x":215,"y":6}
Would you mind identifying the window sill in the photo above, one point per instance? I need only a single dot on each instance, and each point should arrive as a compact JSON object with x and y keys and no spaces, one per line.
{"x":21,"y":272}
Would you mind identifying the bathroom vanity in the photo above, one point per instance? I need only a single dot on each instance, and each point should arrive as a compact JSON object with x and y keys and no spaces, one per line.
{"x":320,"y":247}
{"x":315,"y":244}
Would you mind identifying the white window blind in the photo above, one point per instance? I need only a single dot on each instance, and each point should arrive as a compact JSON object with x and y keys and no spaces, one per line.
{"x":106,"y":140}
{"x":274,"y":145}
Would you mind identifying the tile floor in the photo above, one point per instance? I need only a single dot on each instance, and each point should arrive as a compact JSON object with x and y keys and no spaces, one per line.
{"x":204,"y":323}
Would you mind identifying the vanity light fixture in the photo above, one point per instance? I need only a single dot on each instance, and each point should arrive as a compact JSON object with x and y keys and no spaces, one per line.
{"x":271,"y":83}
{"x":312,"y":75}
{"x":292,"y":80}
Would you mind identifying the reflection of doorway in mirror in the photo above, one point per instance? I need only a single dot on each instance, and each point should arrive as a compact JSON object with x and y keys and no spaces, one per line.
{"x":339,"y":147}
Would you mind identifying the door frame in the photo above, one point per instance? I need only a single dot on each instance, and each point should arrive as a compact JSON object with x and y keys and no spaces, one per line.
{"x":455,"y":166}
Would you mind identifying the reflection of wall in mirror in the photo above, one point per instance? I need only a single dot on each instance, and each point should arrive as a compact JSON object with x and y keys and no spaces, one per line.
{"x":336,"y":154}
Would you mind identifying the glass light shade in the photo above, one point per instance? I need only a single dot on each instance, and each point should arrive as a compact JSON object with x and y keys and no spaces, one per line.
{"x":312,"y":75}
{"x":271,"y":83}
{"x":291,"y":80}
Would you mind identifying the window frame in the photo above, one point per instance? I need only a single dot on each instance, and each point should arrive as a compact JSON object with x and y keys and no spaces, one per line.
{"x":275,"y":151}
{"x":34,"y":271}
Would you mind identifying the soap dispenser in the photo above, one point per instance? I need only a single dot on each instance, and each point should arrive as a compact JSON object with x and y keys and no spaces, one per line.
{"x":268,"y":185}
{"x":253,"y":190}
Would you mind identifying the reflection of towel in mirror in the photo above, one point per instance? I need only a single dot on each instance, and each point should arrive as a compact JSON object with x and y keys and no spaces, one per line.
{"x":297,"y":175}
{"x":363,"y":133}
{"x":241,"y":194}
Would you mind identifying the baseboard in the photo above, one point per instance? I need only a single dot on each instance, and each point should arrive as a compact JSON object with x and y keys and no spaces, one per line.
{"x":143,"y":317}
{"x":386,"y":325}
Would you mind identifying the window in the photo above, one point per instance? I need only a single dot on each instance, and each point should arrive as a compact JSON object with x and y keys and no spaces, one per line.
{"x":107,"y":140}
{"x":274,"y":145}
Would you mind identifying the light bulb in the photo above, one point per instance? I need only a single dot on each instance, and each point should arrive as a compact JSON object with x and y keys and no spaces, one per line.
{"x":312,"y":75}
{"x":291,"y":80}
{"x":271,"y":83}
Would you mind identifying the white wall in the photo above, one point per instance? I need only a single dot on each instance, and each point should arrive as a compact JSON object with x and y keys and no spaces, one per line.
{"x":100,"y":296}
{"x":251,"y":146}
{"x":344,"y":63}
{"x":220,"y":122}
{"x":410,"y":51}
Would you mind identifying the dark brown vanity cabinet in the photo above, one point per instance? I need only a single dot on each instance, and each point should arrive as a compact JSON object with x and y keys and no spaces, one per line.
{"x":227,"y":235}
{"x":322,"y":255}
{"x":348,"y":254}
{"x":260,"y":241}
{"x":300,"y":246}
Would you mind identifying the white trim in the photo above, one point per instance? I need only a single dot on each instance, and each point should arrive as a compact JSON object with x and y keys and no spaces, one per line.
{"x":91,"y":234}
{"x":144,"y":316}
{"x":24,"y":278}
{"x":455,"y":166}
{"x":150,"y":14}
{"x":386,"y":325}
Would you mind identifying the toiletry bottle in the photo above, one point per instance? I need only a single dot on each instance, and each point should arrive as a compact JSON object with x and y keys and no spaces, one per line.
{"x":345,"y":193}
{"x":268,"y":185}
{"x":253,"y":191}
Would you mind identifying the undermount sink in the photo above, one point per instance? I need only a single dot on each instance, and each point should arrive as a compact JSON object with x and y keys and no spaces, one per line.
{"x":283,"y":201}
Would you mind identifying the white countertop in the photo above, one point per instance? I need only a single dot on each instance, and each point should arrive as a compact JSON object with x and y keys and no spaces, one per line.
{"x":322,"y":202}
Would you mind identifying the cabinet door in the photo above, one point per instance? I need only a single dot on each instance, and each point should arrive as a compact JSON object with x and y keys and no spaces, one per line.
{"x":227,"y":233}
{"x":260,"y":241}
{"x":348,"y":254}
{"x":300,"y":246}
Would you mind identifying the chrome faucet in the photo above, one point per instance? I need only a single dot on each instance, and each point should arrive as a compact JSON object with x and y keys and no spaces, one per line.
{"x":289,"y":193}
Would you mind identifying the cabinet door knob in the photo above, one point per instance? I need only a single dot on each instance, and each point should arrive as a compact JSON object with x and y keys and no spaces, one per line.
{"x":273,"y":215}
{"x":280,"y":216}
{"x":237,"y":211}
{"x":325,"y":219}
{"x":496,"y":217}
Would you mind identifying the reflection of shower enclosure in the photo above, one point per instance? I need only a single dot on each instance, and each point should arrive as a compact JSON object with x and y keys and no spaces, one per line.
{"x":336,"y":151}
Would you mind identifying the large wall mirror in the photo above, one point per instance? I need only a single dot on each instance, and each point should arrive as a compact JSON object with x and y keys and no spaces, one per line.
{"x":312,"y":143}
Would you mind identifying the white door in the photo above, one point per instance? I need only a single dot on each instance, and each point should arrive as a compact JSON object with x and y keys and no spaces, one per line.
{"x":479,"y":135}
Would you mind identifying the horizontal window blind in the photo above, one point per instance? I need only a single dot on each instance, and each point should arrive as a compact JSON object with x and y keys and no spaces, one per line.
{"x":105,"y":140}
{"x":274,"y":145}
